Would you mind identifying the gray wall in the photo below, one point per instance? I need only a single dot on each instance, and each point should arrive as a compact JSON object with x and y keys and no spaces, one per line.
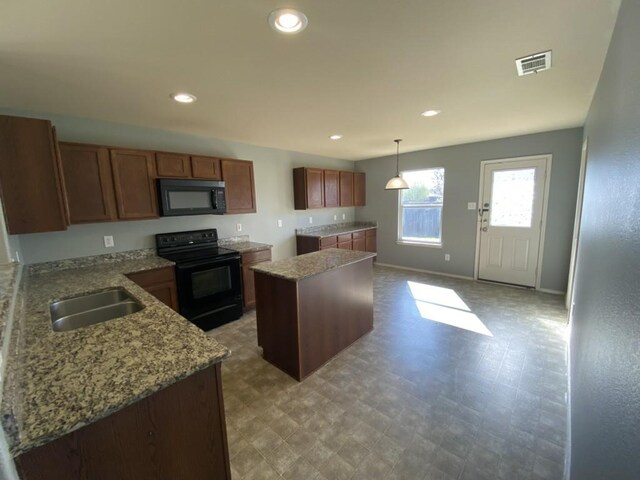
{"x":274,"y":194}
{"x":605,"y":324}
{"x":461,"y":185}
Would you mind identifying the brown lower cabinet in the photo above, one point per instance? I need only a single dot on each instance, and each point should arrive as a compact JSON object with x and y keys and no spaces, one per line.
{"x":362,"y":240}
{"x":248,"y":280}
{"x":160,"y":282}
{"x":176,"y":433}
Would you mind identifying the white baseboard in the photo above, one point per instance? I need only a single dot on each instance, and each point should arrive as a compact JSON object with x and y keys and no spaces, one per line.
{"x":553,"y":292}
{"x":423,"y":271}
{"x":431,"y":272}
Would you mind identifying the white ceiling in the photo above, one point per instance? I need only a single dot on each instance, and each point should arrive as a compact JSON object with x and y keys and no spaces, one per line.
{"x":362,"y":68}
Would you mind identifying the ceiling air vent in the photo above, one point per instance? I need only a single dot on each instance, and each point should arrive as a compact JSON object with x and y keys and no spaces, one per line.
{"x":534,"y":63}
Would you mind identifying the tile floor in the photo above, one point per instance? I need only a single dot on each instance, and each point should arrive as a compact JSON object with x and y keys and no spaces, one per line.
{"x":414,"y":399}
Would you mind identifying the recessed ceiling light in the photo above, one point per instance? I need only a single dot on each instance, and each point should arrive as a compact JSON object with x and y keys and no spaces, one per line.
{"x":183,"y":97}
{"x":430,"y":113}
{"x":336,"y":136}
{"x":287,"y":20}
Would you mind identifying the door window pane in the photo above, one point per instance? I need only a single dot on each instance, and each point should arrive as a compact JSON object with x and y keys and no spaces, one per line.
{"x":512,"y":198}
{"x":421,"y":206}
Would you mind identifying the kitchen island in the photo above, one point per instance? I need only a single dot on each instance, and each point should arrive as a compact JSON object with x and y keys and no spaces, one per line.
{"x":311,"y":307}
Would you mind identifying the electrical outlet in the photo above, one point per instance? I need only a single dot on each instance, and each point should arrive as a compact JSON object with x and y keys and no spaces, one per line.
{"x":447,"y":257}
{"x":471,"y":206}
{"x":344,"y":216}
{"x":335,"y":217}
{"x":280,"y":223}
{"x":108,"y":241}
{"x":310,"y":219}
{"x":238,"y":227}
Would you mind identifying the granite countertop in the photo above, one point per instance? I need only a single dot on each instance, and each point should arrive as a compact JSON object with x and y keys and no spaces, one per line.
{"x":60,"y":381}
{"x":247,"y":247}
{"x":335,"y":229}
{"x":303,"y":266}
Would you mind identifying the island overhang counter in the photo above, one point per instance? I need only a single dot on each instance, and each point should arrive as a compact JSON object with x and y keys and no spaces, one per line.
{"x":311,"y":307}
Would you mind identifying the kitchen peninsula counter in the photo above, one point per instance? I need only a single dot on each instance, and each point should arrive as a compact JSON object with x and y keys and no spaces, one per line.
{"x":311,"y":307}
{"x":58,"y":382}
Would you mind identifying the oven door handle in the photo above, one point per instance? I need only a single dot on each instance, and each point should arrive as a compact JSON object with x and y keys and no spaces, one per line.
{"x":208,"y":262}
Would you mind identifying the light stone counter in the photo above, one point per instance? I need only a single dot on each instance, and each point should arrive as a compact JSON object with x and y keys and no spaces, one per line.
{"x":337,"y":229}
{"x":303,"y":266}
{"x":59,"y":381}
{"x":247,"y":247}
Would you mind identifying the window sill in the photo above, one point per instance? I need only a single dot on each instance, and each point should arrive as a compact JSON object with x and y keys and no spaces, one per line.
{"x":419,"y":244}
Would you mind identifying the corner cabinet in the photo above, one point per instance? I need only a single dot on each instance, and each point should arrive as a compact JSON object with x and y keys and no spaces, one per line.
{"x":239,"y":191}
{"x":161,"y":283}
{"x":30,"y":176}
{"x":178,"y":432}
{"x":248,"y":280}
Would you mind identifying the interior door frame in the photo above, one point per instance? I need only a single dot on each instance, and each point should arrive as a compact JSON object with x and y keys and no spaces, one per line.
{"x":548,"y":157}
{"x":575,"y":237}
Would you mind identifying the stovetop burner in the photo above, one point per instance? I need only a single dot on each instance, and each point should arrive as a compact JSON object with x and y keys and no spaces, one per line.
{"x":191,"y":245}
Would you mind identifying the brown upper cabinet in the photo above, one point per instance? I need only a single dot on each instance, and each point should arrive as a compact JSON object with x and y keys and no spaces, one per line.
{"x":239,"y":191}
{"x":308,"y":188}
{"x":88,"y":182}
{"x":316,"y":188}
{"x":174,"y":165}
{"x":134,"y":181}
{"x":331,"y":188}
{"x":359,"y":189}
{"x":346,"y":189}
{"x":30,"y":177}
{"x":205,"y":167}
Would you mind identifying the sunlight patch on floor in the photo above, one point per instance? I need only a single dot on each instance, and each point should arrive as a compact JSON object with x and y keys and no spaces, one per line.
{"x":444,"y":305}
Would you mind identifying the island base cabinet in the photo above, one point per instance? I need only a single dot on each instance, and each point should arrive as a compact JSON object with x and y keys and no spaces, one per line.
{"x":178,"y":432}
{"x":314,"y":318}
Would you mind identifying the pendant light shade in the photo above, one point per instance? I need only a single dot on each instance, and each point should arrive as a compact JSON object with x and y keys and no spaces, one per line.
{"x":397,"y":182}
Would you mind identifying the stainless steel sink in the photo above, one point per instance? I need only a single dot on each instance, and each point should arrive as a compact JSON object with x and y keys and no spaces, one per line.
{"x":91,"y":308}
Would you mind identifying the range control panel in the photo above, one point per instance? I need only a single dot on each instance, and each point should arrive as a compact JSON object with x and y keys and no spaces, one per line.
{"x":183,"y":239}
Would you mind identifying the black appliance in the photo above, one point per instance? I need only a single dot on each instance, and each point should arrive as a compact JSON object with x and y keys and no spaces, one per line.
{"x":191,"y":197}
{"x":208,"y":276}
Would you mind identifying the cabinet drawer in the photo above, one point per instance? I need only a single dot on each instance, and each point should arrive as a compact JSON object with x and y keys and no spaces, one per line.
{"x":371,"y":232}
{"x":358,"y":235}
{"x":153,"y":277}
{"x":173,"y":165}
{"x":250,"y":258}
{"x":344,"y":238}
{"x":327,"y":242}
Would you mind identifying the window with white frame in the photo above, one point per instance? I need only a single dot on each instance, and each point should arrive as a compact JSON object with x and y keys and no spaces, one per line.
{"x":420,"y":211}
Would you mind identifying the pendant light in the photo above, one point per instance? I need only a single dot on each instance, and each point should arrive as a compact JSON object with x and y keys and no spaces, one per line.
{"x":397,"y":182}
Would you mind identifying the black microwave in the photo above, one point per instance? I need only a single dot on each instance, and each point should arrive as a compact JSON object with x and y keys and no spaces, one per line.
{"x":191,"y":197}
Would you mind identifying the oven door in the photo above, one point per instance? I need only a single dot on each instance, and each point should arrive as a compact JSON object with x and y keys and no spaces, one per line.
{"x":208,"y":284}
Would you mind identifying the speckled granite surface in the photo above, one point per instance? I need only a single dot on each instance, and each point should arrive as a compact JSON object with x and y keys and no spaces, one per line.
{"x":9,"y":275}
{"x":336,"y":229}
{"x":303,"y":266}
{"x":59,"y":381}
{"x":246,"y":247}
{"x":93,"y":260}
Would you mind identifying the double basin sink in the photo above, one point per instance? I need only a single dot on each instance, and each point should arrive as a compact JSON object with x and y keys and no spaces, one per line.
{"x":91,"y":308}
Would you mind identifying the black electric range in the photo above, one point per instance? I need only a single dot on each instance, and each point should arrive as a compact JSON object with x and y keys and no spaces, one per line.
{"x":208,"y":276}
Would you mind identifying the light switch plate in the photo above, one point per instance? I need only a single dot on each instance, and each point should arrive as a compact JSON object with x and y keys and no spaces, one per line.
{"x":280,"y":223}
{"x":335,"y":217}
{"x":310,"y":219}
{"x":447,"y":257}
{"x":238,"y":227}
{"x":471,"y":206}
{"x":344,"y":216}
{"x":108,"y":241}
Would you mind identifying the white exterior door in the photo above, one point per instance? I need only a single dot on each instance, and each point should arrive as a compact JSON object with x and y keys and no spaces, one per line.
{"x":511,"y":212}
